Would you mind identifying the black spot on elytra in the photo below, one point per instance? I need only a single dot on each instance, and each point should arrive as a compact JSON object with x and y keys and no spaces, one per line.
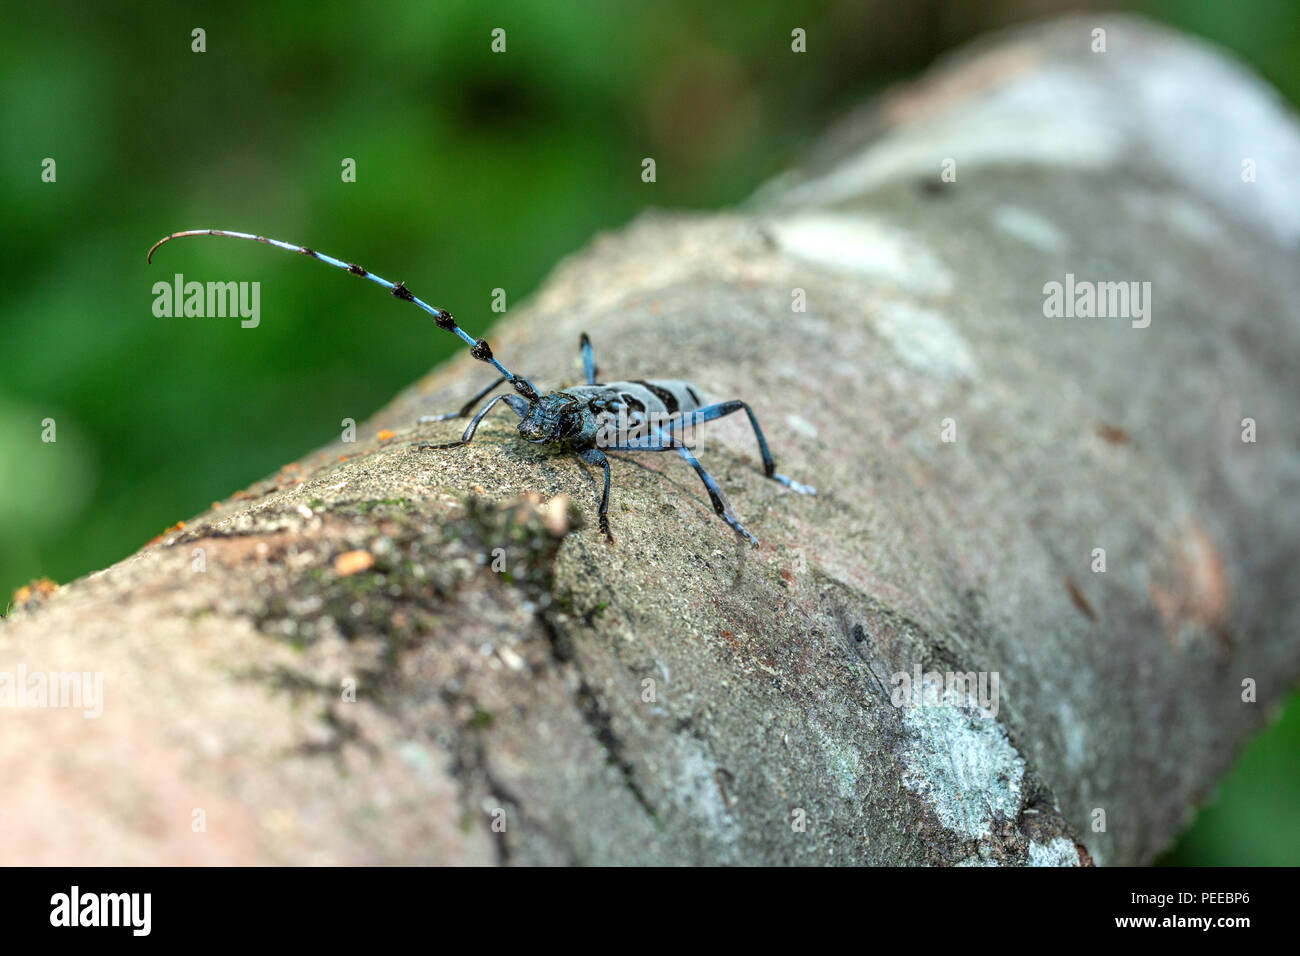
{"x":632,"y":402}
{"x":665,"y":396}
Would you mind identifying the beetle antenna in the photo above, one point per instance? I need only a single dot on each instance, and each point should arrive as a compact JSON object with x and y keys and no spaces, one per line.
{"x":477,"y":347}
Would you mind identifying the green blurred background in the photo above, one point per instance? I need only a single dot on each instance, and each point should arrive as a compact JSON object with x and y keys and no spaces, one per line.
{"x":474,"y":171}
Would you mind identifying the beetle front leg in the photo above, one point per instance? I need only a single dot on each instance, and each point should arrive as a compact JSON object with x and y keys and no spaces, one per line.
{"x":464,"y":410}
{"x":594,"y":456}
{"x":517,"y":405}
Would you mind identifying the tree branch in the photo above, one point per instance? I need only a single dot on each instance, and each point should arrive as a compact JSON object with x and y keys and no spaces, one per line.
{"x":679,"y":697}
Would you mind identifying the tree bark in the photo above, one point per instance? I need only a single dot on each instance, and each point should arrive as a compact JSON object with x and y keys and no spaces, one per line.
{"x":681,"y":697}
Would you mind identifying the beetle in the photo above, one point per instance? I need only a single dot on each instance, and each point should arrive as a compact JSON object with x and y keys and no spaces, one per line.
{"x":585,"y":420}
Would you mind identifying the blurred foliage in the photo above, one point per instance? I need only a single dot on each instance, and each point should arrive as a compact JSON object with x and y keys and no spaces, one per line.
{"x":1253,"y":817}
{"x":475,"y":171}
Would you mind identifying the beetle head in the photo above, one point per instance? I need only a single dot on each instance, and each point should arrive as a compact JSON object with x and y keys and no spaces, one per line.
{"x":551,"y":418}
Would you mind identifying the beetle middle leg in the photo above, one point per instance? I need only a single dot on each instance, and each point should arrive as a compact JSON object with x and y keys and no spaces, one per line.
{"x":659,"y":441}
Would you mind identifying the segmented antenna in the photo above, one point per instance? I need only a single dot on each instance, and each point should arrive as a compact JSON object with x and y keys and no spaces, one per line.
{"x":477,"y":347}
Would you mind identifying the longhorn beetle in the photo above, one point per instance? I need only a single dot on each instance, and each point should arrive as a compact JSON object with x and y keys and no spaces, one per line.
{"x":571,"y":418}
